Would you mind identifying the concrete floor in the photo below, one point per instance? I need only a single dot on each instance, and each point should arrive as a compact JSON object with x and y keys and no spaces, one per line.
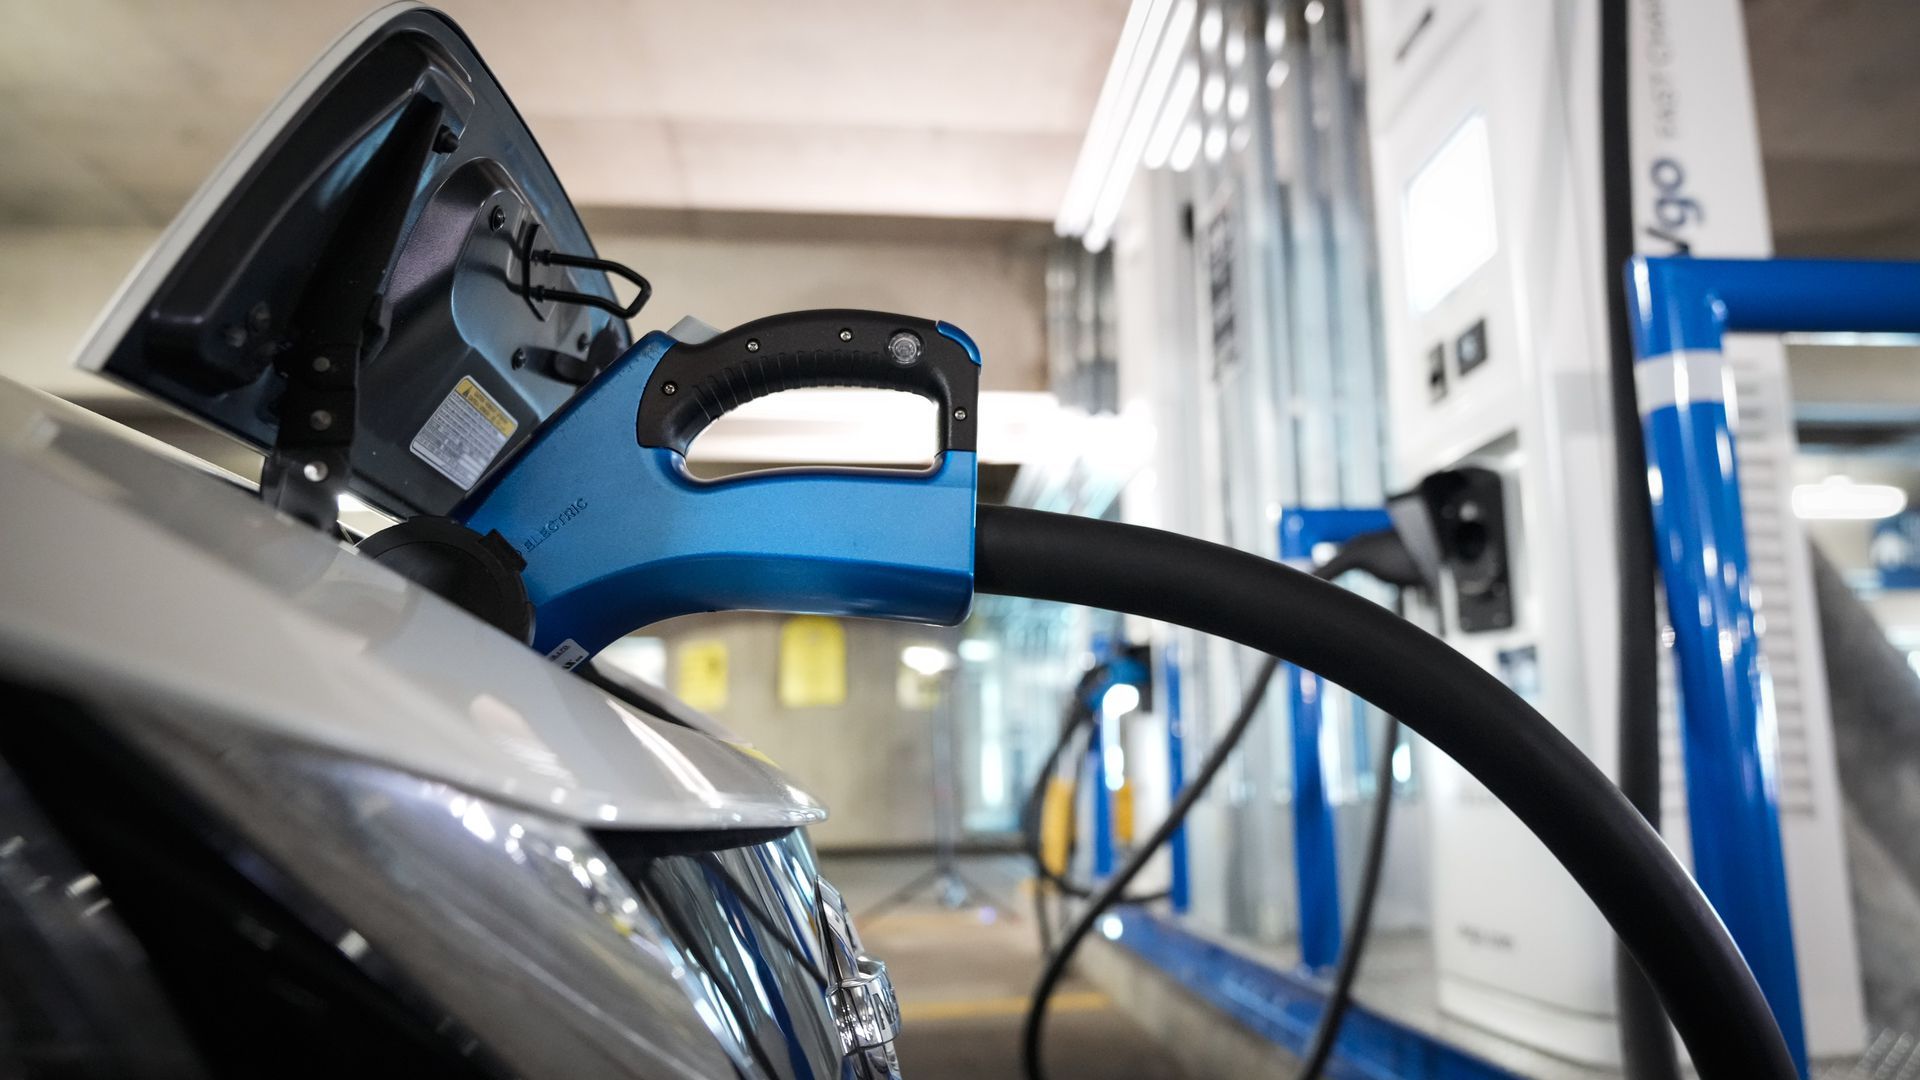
{"x":963,"y":977}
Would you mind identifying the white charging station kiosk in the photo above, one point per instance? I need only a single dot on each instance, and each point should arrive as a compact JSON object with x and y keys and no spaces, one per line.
{"x":1486,"y":162}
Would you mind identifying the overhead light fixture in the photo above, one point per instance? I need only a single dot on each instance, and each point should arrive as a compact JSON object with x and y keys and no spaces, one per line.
{"x":1216,"y":143}
{"x":1237,"y":101}
{"x":928,"y":660}
{"x":1212,"y":25}
{"x":1276,"y":32}
{"x":1236,"y":48}
{"x":1277,"y":74}
{"x":978,"y":650}
{"x":1119,"y":700}
{"x":1185,"y":148}
{"x":1172,"y":115}
{"x":1146,"y":21}
{"x":1215,"y":94}
{"x":1133,"y":142}
{"x":1838,"y":498}
{"x":1315,"y":12}
{"x":1155,"y":39}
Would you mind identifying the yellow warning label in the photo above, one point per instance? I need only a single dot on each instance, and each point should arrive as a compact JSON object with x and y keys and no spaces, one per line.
{"x":1056,"y":824}
{"x":703,"y":675}
{"x":1123,"y":814}
{"x":484,"y":404}
{"x":813,"y":662}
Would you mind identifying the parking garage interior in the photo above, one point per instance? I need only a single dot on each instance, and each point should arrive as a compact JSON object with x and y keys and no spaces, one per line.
{"x":1260,"y":272}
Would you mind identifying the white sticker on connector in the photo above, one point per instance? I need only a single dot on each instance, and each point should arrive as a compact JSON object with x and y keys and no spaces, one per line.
{"x":464,"y":434}
{"x":568,"y":654}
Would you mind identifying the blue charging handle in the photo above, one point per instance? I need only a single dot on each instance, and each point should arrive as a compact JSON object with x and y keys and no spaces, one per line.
{"x":617,"y":534}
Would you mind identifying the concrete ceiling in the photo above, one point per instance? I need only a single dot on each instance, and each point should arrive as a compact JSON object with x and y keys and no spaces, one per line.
{"x":116,"y":109}
{"x":1838,"y":94}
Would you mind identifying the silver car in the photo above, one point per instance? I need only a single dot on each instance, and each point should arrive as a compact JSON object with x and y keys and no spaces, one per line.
{"x":267,"y":807}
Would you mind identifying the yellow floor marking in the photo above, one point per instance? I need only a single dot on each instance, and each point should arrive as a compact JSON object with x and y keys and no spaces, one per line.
{"x":979,"y":1008}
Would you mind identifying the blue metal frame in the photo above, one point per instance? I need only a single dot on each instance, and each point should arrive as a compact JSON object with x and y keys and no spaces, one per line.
{"x":1180,"y":888}
{"x":1681,"y":308}
{"x":1102,"y":796}
{"x":1119,"y":670}
{"x":1284,"y":1007}
{"x":1315,"y":852}
{"x":617,"y":535}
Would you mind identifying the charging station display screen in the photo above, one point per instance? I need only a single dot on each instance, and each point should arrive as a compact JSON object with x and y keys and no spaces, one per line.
{"x":1449,"y":215}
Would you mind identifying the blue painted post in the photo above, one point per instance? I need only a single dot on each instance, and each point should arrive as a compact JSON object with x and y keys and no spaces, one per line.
{"x":1681,"y":310}
{"x":1315,"y":855}
{"x":1315,"y":852}
{"x":1103,"y":652}
{"x":1179,"y":890}
{"x":1731,"y":798}
{"x":1102,"y":800}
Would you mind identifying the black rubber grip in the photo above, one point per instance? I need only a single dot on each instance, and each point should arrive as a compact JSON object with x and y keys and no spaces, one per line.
{"x":694,"y":385}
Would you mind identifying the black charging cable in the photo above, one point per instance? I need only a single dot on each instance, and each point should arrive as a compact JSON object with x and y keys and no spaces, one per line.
{"x":1382,"y":554}
{"x":1079,"y":718}
{"x":1463,"y":710}
{"x":1646,"y":1043}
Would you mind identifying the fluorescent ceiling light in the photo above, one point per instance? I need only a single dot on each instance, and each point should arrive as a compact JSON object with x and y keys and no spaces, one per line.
{"x":1172,"y":116}
{"x":1119,"y":700}
{"x":926,"y":659}
{"x":1127,"y":159}
{"x":1118,"y":95}
{"x":1236,"y":50}
{"x":1838,"y":498}
{"x":1211,"y":26}
{"x":1237,"y":101}
{"x":1215,"y":94}
{"x":978,"y":650}
{"x":1157,"y":36}
{"x":1185,"y":148}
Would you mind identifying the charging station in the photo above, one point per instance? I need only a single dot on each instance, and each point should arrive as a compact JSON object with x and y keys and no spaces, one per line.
{"x":1487,"y":192}
{"x":1420,"y":727}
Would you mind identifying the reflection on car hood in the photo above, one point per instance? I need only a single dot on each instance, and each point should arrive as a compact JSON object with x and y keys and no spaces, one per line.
{"x":130,"y":573}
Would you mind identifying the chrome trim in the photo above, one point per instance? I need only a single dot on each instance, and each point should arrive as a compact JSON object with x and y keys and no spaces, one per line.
{"x":865,"y":1008}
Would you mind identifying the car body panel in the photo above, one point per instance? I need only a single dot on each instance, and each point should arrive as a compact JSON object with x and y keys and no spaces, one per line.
{"x":131,"y":572}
